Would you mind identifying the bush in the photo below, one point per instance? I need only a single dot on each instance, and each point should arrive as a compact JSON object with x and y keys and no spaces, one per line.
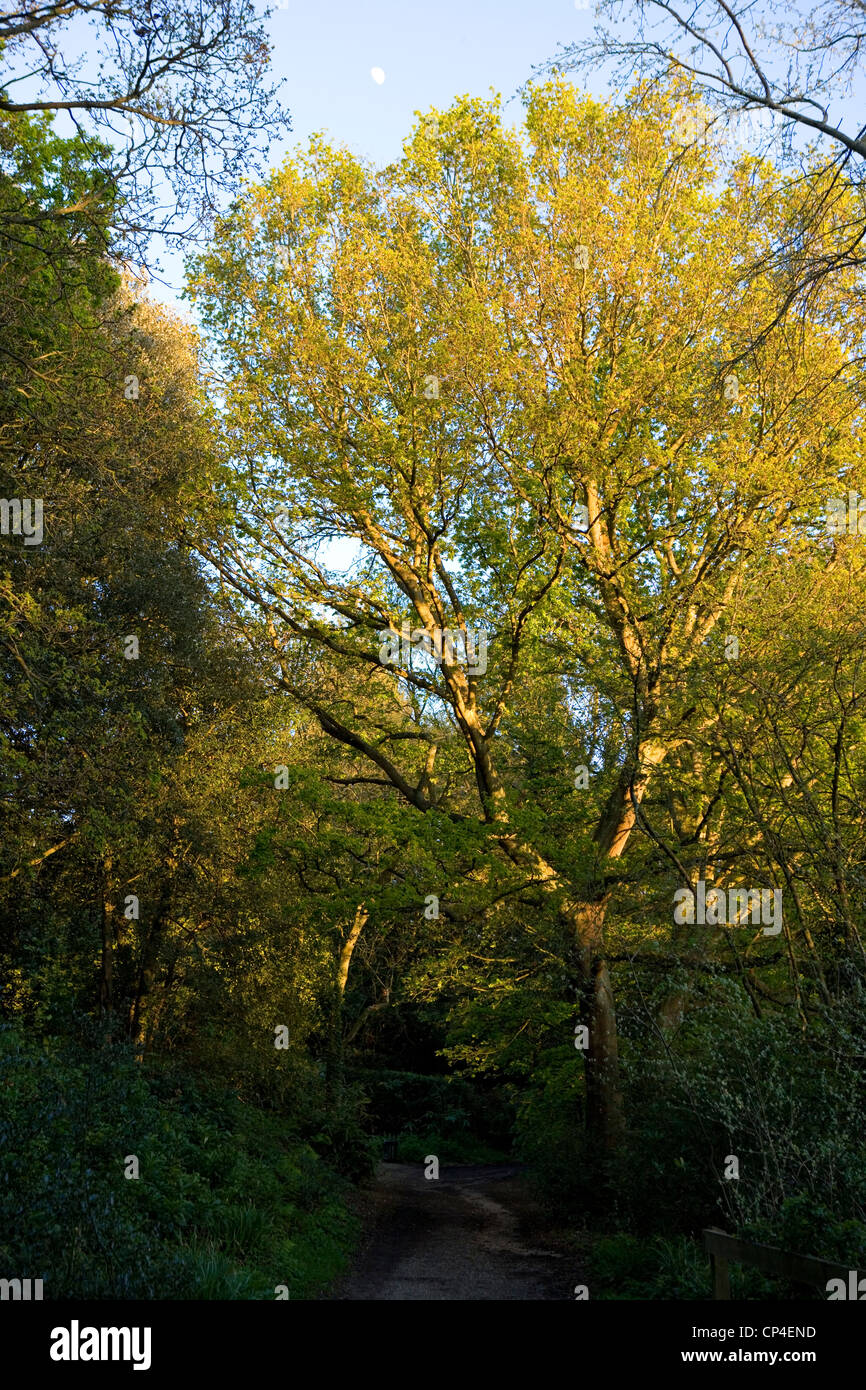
{"x":454,"y":1148}
{"x":412,"y":1103}
{"x":549,"y":1134}
{"x":624,"y":1267}
{"x":790,"y":1108}
{"x":230,"y":1202}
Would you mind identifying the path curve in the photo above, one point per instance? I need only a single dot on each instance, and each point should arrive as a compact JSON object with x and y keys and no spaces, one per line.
{"x":467,"y":1235}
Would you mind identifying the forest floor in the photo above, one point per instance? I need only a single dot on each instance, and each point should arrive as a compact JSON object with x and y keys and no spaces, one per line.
{"x":473,"y":1233}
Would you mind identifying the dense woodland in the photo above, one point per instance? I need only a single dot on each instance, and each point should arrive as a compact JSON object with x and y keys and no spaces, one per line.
{"x":269,"y":894}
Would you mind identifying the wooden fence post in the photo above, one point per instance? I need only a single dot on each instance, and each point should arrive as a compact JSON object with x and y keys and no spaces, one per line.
{"x":719,"y":1268}
{"x":779,"y":1264}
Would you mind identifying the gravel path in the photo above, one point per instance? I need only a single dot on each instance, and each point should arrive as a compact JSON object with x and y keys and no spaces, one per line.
{"x":467,"y":1235}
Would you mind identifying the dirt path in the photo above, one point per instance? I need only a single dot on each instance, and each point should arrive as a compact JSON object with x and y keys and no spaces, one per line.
{"x":466,"y":1235}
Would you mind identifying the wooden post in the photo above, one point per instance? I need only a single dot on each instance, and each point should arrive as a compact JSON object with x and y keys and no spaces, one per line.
{"x":779,"y":1264}
{"x":721,"y":1272}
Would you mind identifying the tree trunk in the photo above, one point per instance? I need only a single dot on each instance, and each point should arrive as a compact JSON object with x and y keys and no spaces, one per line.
{"x":334,"y":1060}
{"x":106,"y":963}
{"x":605,"y":1115}
{"x":605,"y":1112}
{"x":147,"y":970}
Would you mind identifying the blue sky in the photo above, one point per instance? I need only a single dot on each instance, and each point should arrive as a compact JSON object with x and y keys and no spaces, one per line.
{"x":429,"y":52}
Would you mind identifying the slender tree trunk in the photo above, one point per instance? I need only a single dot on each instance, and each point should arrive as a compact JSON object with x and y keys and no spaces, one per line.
{"x":156,"y":1013}
{"x":334,"y":1060}
{"x":605,"y":1115}
{"x":147,"y":969}
{"x":106,"y":963}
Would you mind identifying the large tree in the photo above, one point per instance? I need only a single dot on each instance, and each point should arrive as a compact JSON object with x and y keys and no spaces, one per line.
{"x":493,"y":373}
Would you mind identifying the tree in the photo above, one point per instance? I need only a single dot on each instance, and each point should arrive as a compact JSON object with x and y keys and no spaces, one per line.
{"x":171,"y":99}
{"x":492,"y":370}
{"x":103,"y":614}
{"x":789,"y":70}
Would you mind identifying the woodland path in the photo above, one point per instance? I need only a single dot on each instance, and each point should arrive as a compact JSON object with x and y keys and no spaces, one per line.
{"x":467,"y":1235}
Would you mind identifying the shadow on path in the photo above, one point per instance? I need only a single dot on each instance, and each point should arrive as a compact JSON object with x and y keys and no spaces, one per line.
{"x":466,"y":1235}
